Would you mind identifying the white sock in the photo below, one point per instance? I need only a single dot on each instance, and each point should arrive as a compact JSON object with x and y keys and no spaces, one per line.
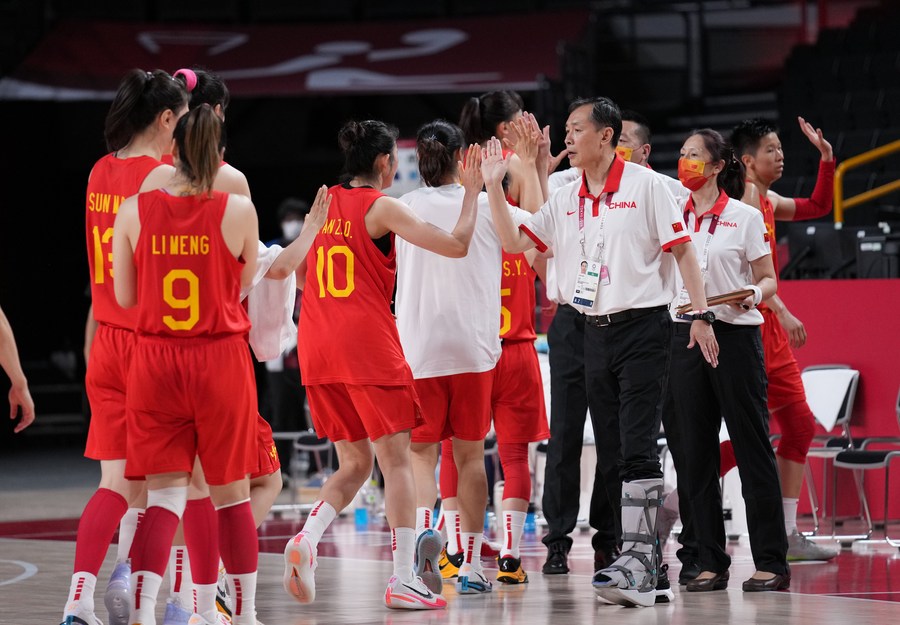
{"x":127,"y":528}
{"x":81,"y":595}
{"x":145,"y":589}
{"x":513,"y":525}
{"x":180,"y":583}
{"x":204,"y":600}
{"x":319,"y":519}
{"x":244,"y":598}
{"x":451,"y":524}
{"x":441,"y":525}
{"x":471,"y":543}
{"x":424,"y":519}
{"x":403,"y":546}
{"x":790,"y":514}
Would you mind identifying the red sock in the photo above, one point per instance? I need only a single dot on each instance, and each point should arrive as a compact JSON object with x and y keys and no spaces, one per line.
{"x":201,"y":537}
{"x":153,"y":540}
{"x":238,"y":543}
{"x":98,"y":523}
{"x":449,"y":474}
{"x":726,"y":458}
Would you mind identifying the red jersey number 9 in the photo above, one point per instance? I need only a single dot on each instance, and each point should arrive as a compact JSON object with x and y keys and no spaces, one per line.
{"x":191,"y":303}
{"x":325,"y":271}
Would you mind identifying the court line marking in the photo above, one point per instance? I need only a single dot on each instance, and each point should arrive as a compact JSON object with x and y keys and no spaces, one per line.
{"x":29,"y":571}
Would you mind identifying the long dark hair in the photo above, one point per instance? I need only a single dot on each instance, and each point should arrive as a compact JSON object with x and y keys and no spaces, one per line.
{"x":436,"y":147}
{"x":141,"y":97}
{"x":204,"y":87}
{"x":480,"y":116}
{"x":732,"y":177}
{"x":363,"y":142}
{"x":197,"y":136}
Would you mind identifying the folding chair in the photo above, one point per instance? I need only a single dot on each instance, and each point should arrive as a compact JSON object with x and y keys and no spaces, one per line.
{"x":867,"y":459}
{"x":830,"y":393}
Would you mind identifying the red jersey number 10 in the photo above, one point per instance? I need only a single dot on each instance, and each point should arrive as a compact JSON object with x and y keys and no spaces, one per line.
{"x":325,"y":270}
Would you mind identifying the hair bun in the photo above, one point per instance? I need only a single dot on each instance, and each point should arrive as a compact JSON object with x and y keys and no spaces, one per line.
{"x":190,"y":78}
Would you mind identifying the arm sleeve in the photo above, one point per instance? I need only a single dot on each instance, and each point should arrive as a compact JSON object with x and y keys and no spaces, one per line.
{"x":819,"y":203}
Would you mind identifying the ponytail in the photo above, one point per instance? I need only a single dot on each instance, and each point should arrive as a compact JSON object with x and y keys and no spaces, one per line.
{"x":141,"y":97}
{"x":481,"y":116}
{"x":197,"y":136}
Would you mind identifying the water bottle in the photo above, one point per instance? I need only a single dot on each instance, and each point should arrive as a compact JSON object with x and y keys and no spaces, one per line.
{"x":530,"y":526}
{"x":373,"y":501}
{"x":360,"y":511}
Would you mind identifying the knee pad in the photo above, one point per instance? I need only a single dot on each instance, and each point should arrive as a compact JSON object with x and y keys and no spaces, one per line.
{"x":517,"y":478}
{"x":173,"y":499}
{"x":797,"y":425}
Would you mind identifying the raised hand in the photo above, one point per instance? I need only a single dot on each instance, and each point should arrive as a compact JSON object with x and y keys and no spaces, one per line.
{"x":493,"y":165}
{"x":319,"y":211}
{"x":816,"y":137}
{"x":470,"y":171}
{"x":524,"y":138}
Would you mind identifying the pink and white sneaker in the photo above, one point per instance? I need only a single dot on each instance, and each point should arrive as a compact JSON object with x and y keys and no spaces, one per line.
{"x":413,"y":595}
{"x":299,"y":569}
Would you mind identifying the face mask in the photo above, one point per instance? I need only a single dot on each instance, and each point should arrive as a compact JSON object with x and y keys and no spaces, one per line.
{"x":624,"y":152}
{"x":690,"y":173}
{"x":291,"y":229}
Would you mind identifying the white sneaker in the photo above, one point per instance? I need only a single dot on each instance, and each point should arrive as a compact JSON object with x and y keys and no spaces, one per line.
{"x":413,"y":595}
{"x":176,"y":614}
{"x":472,"y":582}
{"x":118,"y":595}
{"x":223,"y":599}
{"x":428,"y":555}
{"x":299,"y":569}
{"x":199,"y":619}
{"x":81,"y":619}
{"x":801,"y":548}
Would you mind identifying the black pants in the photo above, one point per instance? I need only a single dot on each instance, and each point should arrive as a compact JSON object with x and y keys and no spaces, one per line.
{"x":688,"y":553}
{"x":568,"y":409}
{"x":735,"y":390}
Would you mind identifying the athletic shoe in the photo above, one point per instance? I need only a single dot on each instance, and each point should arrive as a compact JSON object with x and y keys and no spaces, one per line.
{"x":198,"y":619}
{"x":176,"y":614}
{"x":664,"y":592}
{"x":802,"y":548}
{"x":414,"y":595}
{"x":489,"y":549}
{"x":299,"y":569}
{"x":449,"y":564}
{"x":89,"y":619}
{"x":428,"y":555}
{"x":118,"y":595}
{"x":223,"y":600}
{"x":472,"y":582}
{"x":510,"y":571}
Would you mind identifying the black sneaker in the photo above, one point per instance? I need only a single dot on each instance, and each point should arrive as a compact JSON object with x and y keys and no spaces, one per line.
{"x":689,"y":570}
{"x":604,"y":558}
{"x":557,"y":559}
{"x":664,"y":592}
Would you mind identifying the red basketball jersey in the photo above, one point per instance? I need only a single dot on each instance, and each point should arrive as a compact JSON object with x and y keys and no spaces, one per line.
{"x":347,"y":333}
{"x":517,"y":299}
{"x":112,"y":180}
{"x":188,"y":282}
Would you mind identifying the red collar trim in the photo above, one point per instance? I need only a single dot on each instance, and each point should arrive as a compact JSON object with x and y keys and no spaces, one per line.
{"x":716,"y":211}
{"x":613,"y":180}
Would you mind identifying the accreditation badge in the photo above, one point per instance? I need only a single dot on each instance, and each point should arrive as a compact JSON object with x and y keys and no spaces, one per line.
{"x":587,"y":282}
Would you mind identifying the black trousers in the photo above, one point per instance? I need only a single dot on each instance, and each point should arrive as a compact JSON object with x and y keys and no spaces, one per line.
{"x":688,"y":552}
{"x":568,"y":409}
{"x":735,"y":390}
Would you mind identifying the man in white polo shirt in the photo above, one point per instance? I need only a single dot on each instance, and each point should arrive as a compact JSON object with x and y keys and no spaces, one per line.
{"x":622,"y":220}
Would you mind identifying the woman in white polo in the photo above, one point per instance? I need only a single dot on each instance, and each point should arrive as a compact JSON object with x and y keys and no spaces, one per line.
{"x":733,"y":249}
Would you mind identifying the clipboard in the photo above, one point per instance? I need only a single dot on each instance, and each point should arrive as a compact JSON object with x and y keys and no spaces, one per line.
{"x":715,"y":300}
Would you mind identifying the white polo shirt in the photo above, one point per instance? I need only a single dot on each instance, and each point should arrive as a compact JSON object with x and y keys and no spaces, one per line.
{"x":637,"y":220}
{"x":448,"y":309}
{"x":727,"y":239}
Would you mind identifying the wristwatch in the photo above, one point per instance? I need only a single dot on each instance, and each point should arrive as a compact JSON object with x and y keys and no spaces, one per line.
{"x":704,"y":315}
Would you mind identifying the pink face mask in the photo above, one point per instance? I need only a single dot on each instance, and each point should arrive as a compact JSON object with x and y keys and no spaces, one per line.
{"x":690,"y":173}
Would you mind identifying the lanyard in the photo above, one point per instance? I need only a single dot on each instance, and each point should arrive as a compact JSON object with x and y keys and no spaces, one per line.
{"x":713,"y":222}
{"x":595,"y":212}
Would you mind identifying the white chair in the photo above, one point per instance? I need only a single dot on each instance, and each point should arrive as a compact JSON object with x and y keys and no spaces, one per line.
{"x":830,"y":393}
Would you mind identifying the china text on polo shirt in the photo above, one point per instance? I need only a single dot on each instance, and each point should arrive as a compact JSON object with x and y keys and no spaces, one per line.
{"x":635,"y":237}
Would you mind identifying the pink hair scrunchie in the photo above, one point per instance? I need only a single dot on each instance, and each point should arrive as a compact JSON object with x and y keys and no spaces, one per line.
{"x":190,"y":78}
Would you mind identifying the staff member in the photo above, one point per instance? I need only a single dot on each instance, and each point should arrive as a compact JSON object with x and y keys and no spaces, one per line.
{"x":622,"y":220}
{"x":732,"y":242}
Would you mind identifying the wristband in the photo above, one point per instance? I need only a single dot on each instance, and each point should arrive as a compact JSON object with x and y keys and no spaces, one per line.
{"x":757,"y":294}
